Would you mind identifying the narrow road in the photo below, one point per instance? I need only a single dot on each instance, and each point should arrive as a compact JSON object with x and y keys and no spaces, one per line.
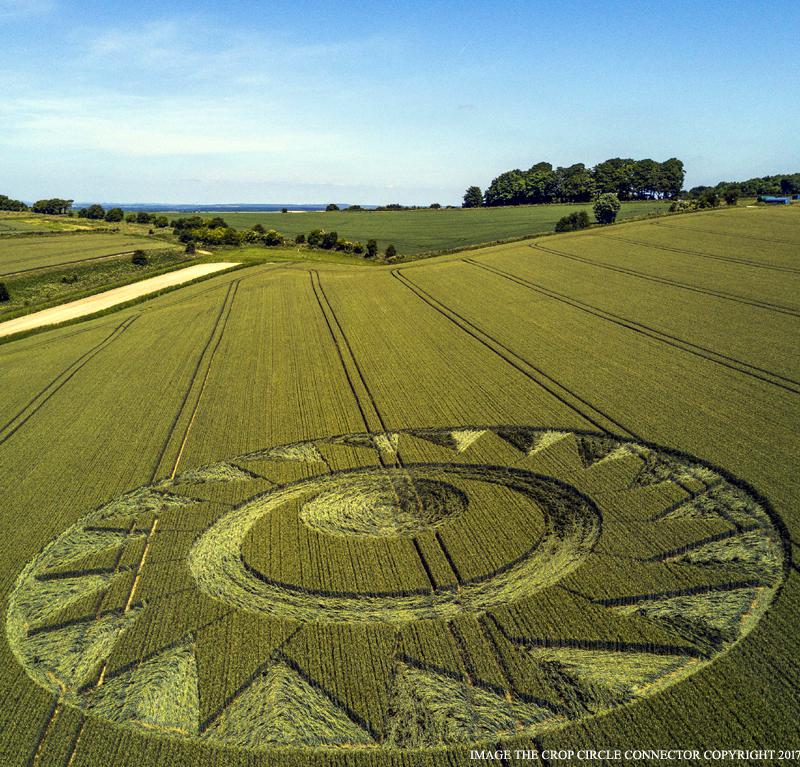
{"x":109,"y":298}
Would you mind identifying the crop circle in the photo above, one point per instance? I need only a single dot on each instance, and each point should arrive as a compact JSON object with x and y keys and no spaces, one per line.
{"x":401,"y":590}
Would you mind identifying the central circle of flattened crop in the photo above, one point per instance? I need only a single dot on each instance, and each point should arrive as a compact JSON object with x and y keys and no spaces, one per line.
{"x":388,"y":503}
{"x":235,"y":562}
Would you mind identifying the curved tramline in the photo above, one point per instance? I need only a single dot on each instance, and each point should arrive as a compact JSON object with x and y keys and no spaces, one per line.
{"x":398,"y":590}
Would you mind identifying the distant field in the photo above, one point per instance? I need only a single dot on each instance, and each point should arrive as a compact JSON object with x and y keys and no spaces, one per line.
{"x":423,"y":231}
{"x":12,"y":223}
{"x":535,"y":495}
{"x":19,"y":254}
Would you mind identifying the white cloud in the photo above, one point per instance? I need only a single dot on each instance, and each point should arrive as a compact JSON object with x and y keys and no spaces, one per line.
{"x":132,"y":126}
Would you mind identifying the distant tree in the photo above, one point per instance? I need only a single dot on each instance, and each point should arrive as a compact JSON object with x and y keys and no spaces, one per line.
{"x":578,"y":219}
{"x":331,"y":206}
{"x":344,"y":245}
{"x":731,"y":196}
{"x":681,"y":206}
{"x":230,"y":236}
{"x":315,"y":237}
{"x":790,"y":184}
{"x":390,"y":252}
{"x":574,"y":184}
{"x":358,"y":248}
{"x":508,"y":188}
{"x":217,"y":223}
{"x":284,"y":210}
{"x":540,"y":183}
{"x":161,"y":221}
{"x":273,"y":238}
{"x":114,"y":215}
{"x":258,"y":228}
{"x":329,"y":240}
{"x":130,"y":218}
{"x":4,"y":296}
{"x":670,"y":177}
{"x":354,"y":207}
{"x":473,"y":197}
{"x":300,"y":239}
{"x":6,"y":203}
{"x":372,"y":248}
{"x":606,"y":208}
{"x":613,"y":176}
{"x":708,"y":198}
{"x":191,"y":248}
{"x":83,"y":212}
{"x":645,"y":178}
{"x":96,"y":212}
{"x":54,"y":206}
{"x":139,"y":258}
{"x":143,"y":217}
{"x":435,"y":205}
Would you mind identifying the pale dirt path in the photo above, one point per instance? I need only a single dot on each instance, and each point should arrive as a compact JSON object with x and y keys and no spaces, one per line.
{"x":108,"y":298}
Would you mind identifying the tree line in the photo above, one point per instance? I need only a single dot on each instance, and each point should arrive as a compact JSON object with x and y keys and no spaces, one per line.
{"x":194,"y":230}
{"x":783,"y":183}
{"x":628,"y":179}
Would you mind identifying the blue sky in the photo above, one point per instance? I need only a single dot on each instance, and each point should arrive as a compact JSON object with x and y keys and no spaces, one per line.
{"x":383,"y":102}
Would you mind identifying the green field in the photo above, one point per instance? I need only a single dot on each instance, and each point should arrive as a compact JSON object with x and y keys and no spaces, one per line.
{"x":25,"y":254}
{"x":25,"y":223}
{"x":535,"y":495}
{"x":430,"y":231}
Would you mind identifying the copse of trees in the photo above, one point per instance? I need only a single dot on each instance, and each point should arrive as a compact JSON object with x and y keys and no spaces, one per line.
{"x":628,"y":179}
{"x":55,"y":206}
{"x":783,"y":183}
{"x":6,"y":203}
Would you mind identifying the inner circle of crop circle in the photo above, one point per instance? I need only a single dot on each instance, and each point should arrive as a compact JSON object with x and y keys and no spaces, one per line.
{"x":477,"y":583}
{"x":571,"y":527}
{"x":382,"y":504}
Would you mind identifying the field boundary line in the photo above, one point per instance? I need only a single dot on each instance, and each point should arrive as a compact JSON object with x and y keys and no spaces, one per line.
{"x":675,"y":342}
{"x":768,"y":306}
{"x":220,"y":322}
{"x":729,"y":259}
{"x":9,"y":429}
{"x":484,"y":338}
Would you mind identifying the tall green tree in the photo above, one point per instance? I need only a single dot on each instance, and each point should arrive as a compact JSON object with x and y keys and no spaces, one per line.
{"x":606,"y":208}
{"x":473,"y":197}
{"x":507,"y":189}
{"x":54,"y":206}
{"x":574,"y":184}
{"x":96,"y":212}
{"x":671,"y":176}
{"x":6,"y":203}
